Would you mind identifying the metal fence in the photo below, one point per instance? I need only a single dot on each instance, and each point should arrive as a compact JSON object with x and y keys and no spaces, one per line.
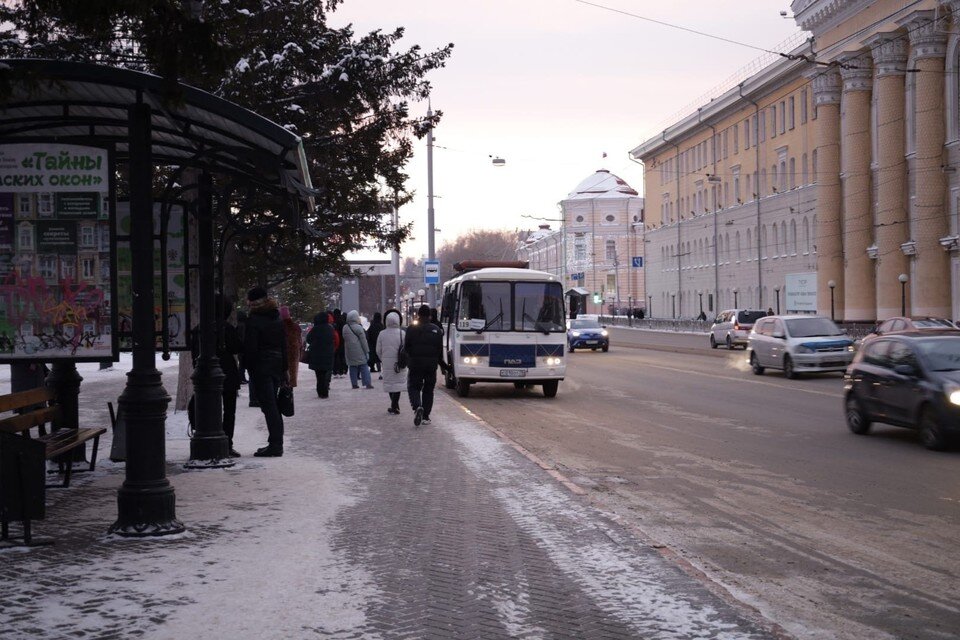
{"x":853,"y":330}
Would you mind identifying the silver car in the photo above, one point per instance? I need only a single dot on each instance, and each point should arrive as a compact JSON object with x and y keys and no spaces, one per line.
{"x":799,"y":344}
{"x":732,"y":327}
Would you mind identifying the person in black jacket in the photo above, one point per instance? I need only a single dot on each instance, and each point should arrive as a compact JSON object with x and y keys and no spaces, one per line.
{"x":424,"y":346}
{"x":265,"y":356}
{"x":320,"y":352}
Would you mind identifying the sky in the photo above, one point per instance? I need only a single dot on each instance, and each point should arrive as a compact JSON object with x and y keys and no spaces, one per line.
{"x":551,"y":86}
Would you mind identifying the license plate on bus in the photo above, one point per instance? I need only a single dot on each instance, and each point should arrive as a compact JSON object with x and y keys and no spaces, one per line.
{"x":513,"y":373}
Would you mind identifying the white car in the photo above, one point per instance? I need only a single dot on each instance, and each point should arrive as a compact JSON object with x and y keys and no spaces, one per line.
{"x":732,"y":327}
{"x":798,"y":344}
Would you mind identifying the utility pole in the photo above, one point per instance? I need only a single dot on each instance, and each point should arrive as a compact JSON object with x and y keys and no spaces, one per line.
{"x":431,"y":252}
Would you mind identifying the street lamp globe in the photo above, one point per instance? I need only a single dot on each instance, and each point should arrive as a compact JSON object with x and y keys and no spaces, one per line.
{"x":832,"y":284}
{"x":902,"y":278}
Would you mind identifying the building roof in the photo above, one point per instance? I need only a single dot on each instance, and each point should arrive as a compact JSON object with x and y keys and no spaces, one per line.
{"x":602,"y":184}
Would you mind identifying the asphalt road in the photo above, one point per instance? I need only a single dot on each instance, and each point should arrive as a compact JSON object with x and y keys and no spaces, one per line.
{"x":756,"y":481}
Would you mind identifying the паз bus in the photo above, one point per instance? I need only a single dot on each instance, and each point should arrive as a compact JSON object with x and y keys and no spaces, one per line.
{"x":503,"y":324}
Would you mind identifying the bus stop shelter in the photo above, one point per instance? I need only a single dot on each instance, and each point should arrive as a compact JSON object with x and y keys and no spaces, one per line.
{"x":130,"y":114}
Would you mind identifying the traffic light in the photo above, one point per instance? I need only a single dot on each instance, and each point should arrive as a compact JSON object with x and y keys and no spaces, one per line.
{"x":596,"y":298}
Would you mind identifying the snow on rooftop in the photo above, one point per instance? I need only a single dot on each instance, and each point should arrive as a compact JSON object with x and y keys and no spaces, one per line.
{"x":602,"y":184}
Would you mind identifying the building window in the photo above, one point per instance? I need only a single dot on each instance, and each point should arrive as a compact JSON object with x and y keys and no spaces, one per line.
{"x":773,"y":121}
{"x":736,"y":183}
{"x":762,"y":127}
{"x":804,"y":174}
{"x":47,"y":267}
{"x":610,"y":219}
{"x":45,"y":205}
{"x":611,"y":247}
{"x":87,"y":268}
{"x":738,"y":246}
{"x":803,"y":107}
{"x":773,"y":178}
{"x":580,"y":249}
{"x":579,"y":218}
{"x":88,"y":236}
{"x":25,"y":237}
{"x":792,"y":114}
{"x":793,"y":173}
{"x":24,"y":205}
{"x":68,"y":267}
{"x":806,"y":236}
{"x":726,"y":140}
{"x":813,"y":106}
{"x":793,"y":237}
{"x":813,"y":165}
{"x":746,"y":134}
{"x":736,"y":140}
{"x":783,"y":116}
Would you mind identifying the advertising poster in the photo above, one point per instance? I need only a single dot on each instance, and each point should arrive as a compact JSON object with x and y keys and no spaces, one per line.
{"x":169,"y":255}
{"x":801,"y":292}
{"x":55,"y":276}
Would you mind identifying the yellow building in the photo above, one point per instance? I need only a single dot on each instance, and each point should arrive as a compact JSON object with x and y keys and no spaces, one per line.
{"x":730,"y":215}
{"x":888,"y":137}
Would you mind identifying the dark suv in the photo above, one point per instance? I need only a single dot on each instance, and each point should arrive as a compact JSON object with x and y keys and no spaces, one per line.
{"x":909,"y":379}
{"x":587,"y":333}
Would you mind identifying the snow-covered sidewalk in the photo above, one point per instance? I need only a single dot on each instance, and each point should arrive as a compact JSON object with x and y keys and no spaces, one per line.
{"x":365,"y":528}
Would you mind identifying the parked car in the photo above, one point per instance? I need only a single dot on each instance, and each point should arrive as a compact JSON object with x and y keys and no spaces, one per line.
{"x":798,"y":344}
{"x":587,"y":333}
{"x":732,"y":327}
{"x":909,"y":379}
{"x":901,"y":323}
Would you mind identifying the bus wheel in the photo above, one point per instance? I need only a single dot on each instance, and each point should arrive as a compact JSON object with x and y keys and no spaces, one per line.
{"x":550,"y":388}
{"x":463,"y":388}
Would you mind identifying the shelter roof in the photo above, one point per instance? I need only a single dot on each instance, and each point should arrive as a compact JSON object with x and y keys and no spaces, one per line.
{"x":88,"y":103}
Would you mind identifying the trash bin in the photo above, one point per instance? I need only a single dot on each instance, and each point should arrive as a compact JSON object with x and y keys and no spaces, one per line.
{"x":23,"y":481}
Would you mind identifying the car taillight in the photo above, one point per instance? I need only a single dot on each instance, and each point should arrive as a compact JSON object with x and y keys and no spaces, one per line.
{"x":736,"y":326}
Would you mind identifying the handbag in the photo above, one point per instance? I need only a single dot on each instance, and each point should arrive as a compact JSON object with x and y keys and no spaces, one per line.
{"x":402,"y":358}
{"x":285,"y":401}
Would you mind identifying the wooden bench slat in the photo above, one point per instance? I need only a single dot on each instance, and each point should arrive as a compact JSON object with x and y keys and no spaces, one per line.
{"x":64,"y":440}
{"x":26,"y":421}
{"x":23,"y":399}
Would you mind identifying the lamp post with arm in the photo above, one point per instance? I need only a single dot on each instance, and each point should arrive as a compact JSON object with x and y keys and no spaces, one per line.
{"x":777,"y":289}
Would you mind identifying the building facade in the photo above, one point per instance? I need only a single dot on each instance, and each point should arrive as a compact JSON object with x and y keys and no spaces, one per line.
{"x":599,"y":248}
{"x":731,"y":200}
{"x":889,"y":142}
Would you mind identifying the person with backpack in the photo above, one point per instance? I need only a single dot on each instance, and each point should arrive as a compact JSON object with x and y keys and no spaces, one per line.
{"x":423,"y":344}
{"x":390,"y":343}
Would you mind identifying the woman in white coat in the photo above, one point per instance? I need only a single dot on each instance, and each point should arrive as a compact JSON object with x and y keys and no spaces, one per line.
{"x":389,"y":343}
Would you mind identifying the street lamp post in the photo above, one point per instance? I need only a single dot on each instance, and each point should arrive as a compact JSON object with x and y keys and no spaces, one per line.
{"x":777,"y":289}
{"x":650,"y":306}
{"x":421,"y":293}
{"x":700,"y":294}
{"x":903,"y":293}
{"x":630,"y":310}
{"x":735,"y":292}
{"x":832,"y":284}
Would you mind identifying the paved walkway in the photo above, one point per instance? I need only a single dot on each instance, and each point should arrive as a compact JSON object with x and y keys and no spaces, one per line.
{"x":366,"y":528}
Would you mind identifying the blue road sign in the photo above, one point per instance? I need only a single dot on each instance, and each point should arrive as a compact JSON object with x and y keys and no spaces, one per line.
{"x":637,"y":261}
{"x":431,"y":272}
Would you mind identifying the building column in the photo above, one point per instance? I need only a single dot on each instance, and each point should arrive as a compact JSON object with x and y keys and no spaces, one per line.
{"x":826,"y":91}
{"x":890,"y":59}
{"x":859,"y":301}
{"x":930,"y":287}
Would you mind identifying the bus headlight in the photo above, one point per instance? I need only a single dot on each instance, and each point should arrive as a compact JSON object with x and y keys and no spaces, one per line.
{"x":471,"y":360}
{"x":553,"y":362}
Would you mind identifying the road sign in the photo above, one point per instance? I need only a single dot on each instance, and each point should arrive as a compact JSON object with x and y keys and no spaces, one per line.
{"x":576,"y":276}
{"x":637,"y":261}
{"x":431,"y":272}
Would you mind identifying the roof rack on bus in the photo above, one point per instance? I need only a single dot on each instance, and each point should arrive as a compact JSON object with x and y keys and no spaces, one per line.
{"x":472,"y":265}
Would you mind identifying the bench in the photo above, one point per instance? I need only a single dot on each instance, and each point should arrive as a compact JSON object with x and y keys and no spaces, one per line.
{"x":35,"y":408}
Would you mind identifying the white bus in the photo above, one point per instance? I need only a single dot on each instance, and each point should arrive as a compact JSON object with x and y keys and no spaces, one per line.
{"x":503,"y":324}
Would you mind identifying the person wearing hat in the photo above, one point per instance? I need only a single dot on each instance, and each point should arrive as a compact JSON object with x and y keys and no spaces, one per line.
{"x":265,"y":356}
{"x":424,"y":346}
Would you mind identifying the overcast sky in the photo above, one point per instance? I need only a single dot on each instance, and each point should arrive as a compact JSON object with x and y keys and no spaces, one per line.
{"x":550,"y":86}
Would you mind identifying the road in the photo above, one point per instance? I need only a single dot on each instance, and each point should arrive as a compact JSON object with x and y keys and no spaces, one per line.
{"x":756,"y":481}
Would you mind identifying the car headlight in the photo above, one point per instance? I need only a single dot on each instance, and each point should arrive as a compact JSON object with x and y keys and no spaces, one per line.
{"x":851,"y":348}
{"x":575,"y":334}
{"x":804,"y":349}
{"x":604,"y":333}
{"x":952,"y":391}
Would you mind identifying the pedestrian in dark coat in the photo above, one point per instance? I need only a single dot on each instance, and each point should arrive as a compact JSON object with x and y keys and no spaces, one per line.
{"x":423,"y":343}
{"x":320,"y":349}
{"x":265,"y":354}
{"x":339,"y":356}
{"x":373,"y":331}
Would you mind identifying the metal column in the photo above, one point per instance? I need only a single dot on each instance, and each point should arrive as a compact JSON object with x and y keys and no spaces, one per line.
{"x":146,"y":504}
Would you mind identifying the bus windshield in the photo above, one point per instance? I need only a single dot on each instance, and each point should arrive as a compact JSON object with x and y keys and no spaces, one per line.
{"x":505,"y":306}
{"x":538,"y":306}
